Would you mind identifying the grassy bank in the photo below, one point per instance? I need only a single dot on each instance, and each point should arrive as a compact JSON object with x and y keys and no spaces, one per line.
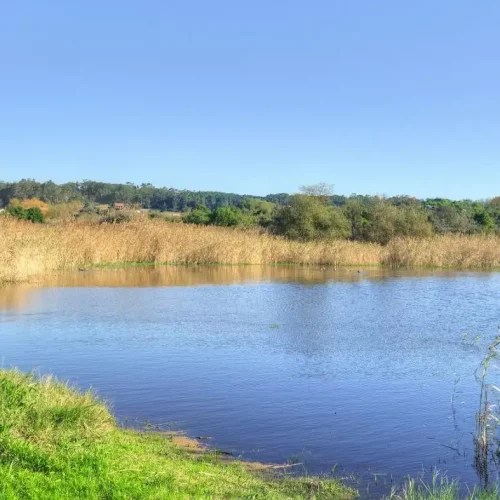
{"x":34,"y":250}
{"x":58,"y":444}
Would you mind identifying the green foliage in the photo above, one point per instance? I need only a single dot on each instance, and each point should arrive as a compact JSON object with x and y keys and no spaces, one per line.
{"x":17,"y":211}
{"x":32,"y":214}
{"x":199,"y":215}
{"x":359,"y":216}
{"x":115,"y":219}
{"x":251,"y":213}
{"x":309,"y":217}
{"x":226,"y":216}
{"x":381,"y":221}
{"x":258,"y":212}
{"x":451,"y":219}
{"x":58,"y":444}
{"x":370,"y":218}
{"x":440,"y":488}
{"x":485,"y":222}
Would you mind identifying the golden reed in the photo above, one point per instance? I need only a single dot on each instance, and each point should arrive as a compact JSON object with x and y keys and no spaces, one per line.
{"x":34,"y":250}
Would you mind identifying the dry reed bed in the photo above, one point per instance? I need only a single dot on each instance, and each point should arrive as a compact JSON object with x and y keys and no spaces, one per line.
{"x":29,"y":250}
{"x":449,"y":251}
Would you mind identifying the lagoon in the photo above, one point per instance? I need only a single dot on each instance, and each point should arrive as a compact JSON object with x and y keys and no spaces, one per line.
{"x":367,"y":375}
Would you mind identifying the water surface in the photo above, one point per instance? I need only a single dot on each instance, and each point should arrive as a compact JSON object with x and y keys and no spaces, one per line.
{"x":366,"y":373}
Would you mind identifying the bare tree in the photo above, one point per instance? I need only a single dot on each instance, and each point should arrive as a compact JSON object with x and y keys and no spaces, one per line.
{"x":320,"y":189}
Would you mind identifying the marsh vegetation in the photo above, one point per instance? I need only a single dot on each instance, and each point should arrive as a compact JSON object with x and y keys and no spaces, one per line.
{"x":35,"y":250}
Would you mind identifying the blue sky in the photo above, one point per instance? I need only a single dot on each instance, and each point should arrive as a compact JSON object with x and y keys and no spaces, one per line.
{"x":377,"y":97}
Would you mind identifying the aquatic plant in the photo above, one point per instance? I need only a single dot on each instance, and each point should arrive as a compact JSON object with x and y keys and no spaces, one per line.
{"x":487,"y":415}
{"x":470,"y":341}
{"x":440,"y":488}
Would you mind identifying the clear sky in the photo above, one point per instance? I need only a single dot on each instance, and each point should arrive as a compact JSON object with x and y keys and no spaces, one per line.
{"x":376,"y":97}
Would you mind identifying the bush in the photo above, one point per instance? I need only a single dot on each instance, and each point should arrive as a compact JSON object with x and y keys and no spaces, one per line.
{"x":382,"y":221}
{"x":33,"y":214}
{"x":309,"y":217}
{"x":257,"y":212}
{"x":199,"y":215}
{"x":226,"y":216}
{"x":17,"y":211}
{"x":451,"y":219}
{"x":64,"y":211}
{"x":115,"y":219}
{"x":485,"y":222}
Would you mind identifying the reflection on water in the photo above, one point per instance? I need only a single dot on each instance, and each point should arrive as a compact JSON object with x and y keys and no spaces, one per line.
{"x":15,"y":297}
{"x":367,"y":373}
{"x":148,"y":276}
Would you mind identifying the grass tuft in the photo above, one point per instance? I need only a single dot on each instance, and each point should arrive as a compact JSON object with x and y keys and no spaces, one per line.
{"x":440,"y":488}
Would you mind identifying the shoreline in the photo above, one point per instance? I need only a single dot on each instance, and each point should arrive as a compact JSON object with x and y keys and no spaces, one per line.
{"x":58,"y":442}
{"x":32,"y":251}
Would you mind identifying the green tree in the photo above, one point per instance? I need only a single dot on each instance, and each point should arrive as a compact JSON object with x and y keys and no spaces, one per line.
{"x":309,"y":217}
{"x":257,"y":212}
{"x":382,"y":221}
{"x":199,"y":215}
{"x":226,"y":216}
{"x":358,"y":214}
{"x":495,"y":202}
{"x":484,"y":221}
{"x":449,"y":218}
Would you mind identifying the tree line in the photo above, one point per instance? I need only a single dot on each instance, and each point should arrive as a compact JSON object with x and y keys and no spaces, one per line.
{"x":144,"y":195}
{"x":314,"y":213}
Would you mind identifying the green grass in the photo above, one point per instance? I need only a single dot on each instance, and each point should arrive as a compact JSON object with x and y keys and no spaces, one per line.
{"x":56,"y":443}
{"x":441,"y":488}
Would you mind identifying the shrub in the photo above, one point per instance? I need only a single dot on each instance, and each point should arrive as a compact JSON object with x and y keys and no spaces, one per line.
{"x":65,"y":211}
{"x":16,"y":211}
{"x":451,"y":219}
{"x":485,"y":222}
{"x":199,"y":215}
{"x":382,"y":221}
{"x":258,"y":212}
{"x":310,"y":217}
{"x":226,"y":216}
{"x":34,"y":214}
{"x":115,"y":219}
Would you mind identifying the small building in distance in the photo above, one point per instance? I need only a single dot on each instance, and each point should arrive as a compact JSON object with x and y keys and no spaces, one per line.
{"x":119,"y":206}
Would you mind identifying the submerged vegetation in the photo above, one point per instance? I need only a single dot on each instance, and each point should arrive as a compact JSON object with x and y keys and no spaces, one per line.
{"x":57,"y":443}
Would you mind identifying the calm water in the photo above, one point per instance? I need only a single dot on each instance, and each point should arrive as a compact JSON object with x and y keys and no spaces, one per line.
{"x":366,"y":371}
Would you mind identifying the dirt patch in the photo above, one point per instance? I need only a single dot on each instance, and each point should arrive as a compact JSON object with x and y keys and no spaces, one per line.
{"x":187,"y":443}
